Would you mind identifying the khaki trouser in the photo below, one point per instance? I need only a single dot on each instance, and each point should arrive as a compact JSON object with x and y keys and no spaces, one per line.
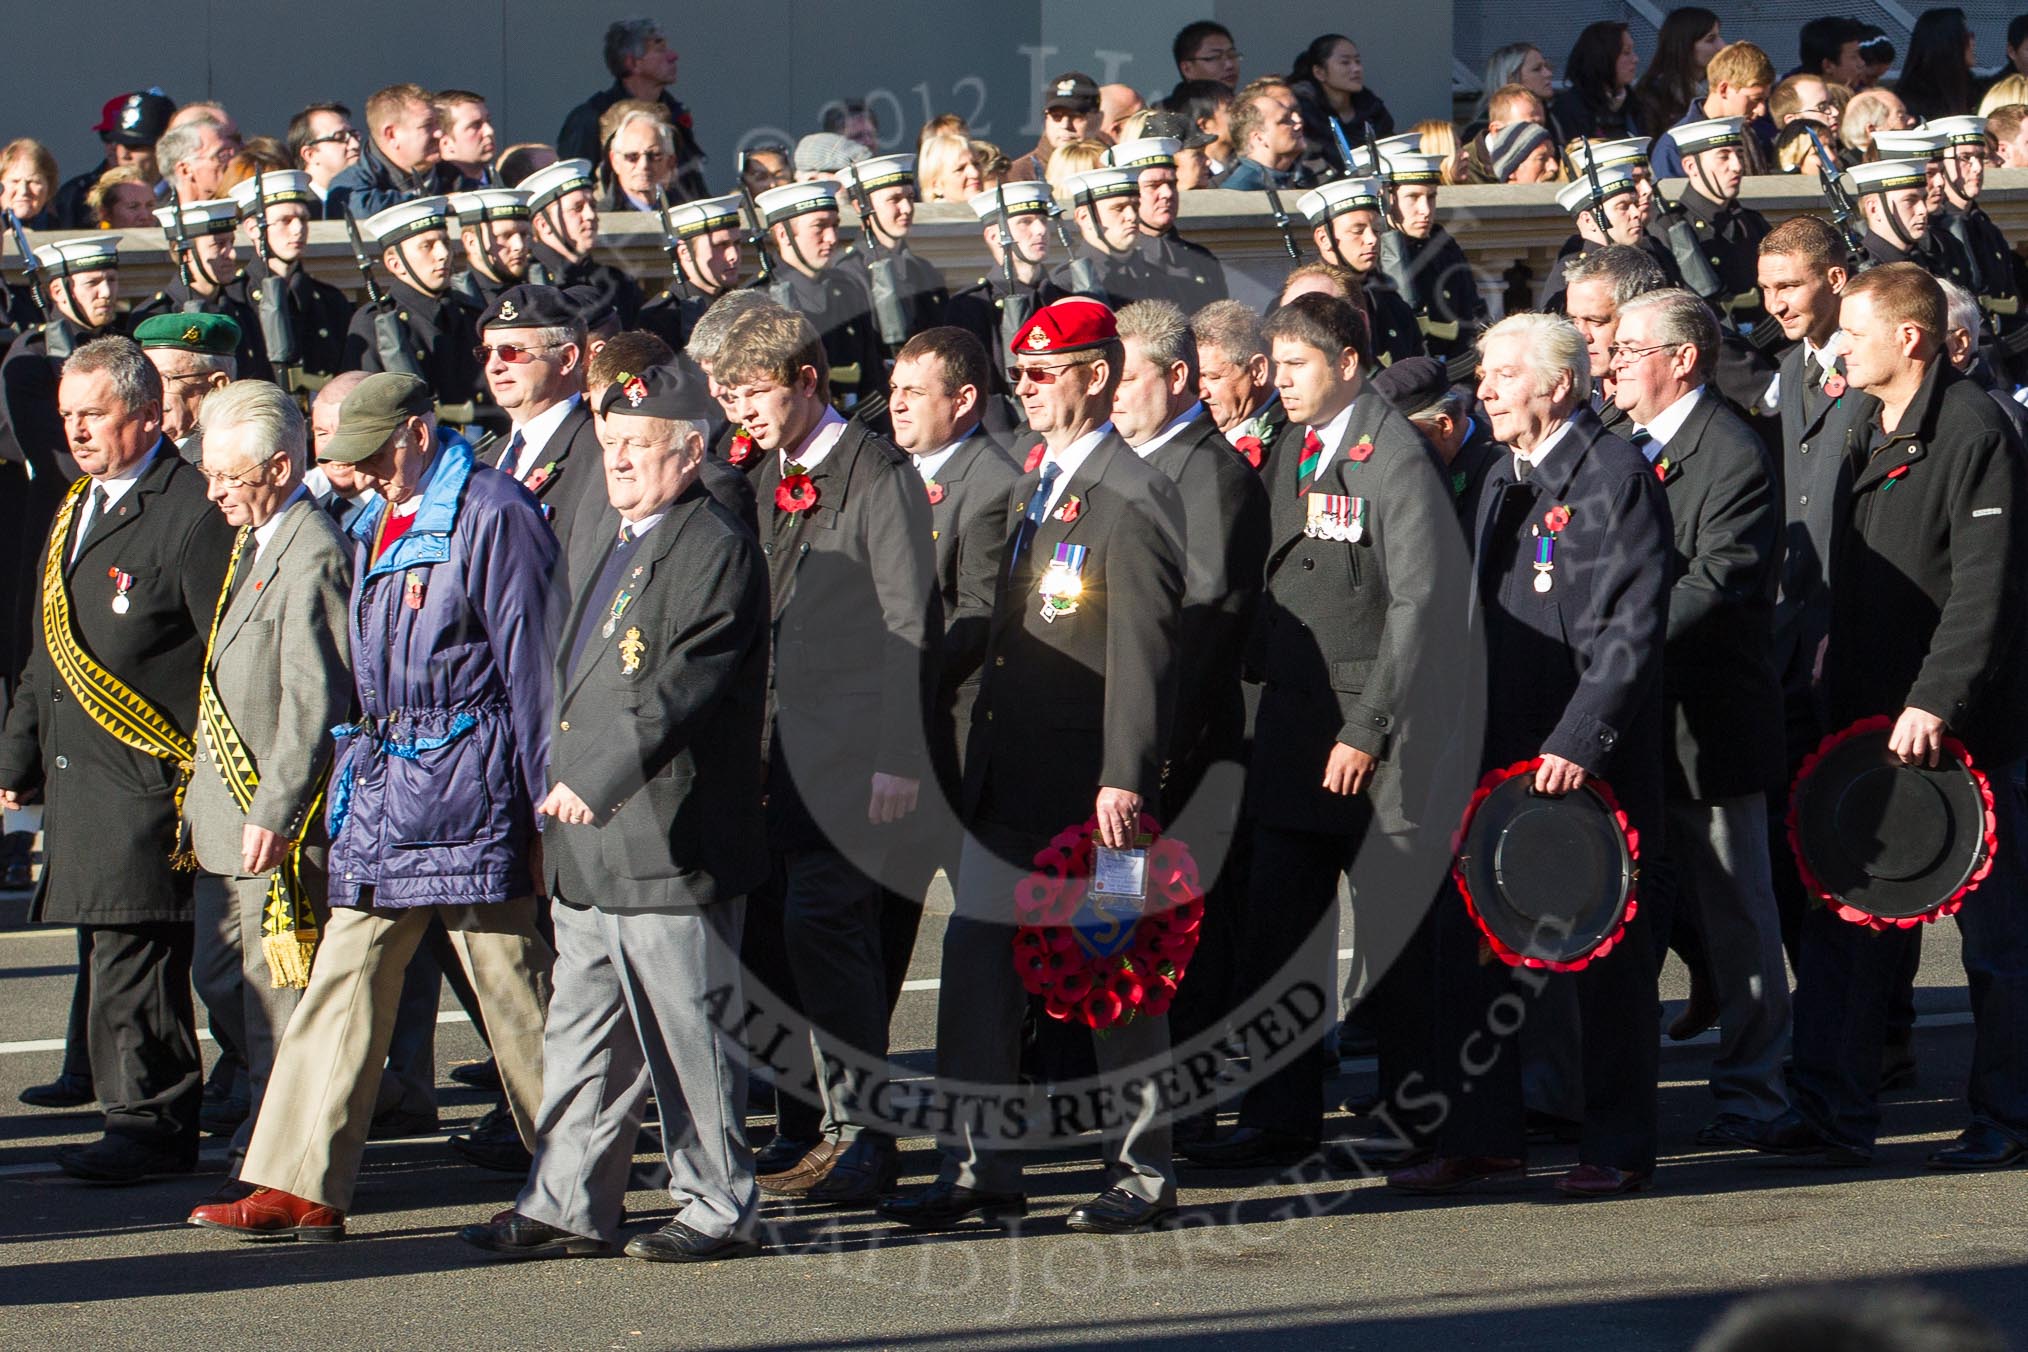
{"x":312,"y":1128}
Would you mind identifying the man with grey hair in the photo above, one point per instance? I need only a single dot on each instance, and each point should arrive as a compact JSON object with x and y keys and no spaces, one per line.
{"x":194,"y":354}
{"x":192,"y":156}
{"x":1585,"y":700}
{"x":276,"y":679}
{"x":1723,"y":695}
{"x":100,"y":722}
{"x":643,"y":67}
{"x":1597,"y":285}
{"x":533,"y":347}
{"x":1236,"y":378}
{"x":640,"y":152}
{"x":1963,"y":329}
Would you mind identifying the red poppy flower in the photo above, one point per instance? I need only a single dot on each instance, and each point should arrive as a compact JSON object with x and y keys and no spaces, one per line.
{"x":1069,"y":511}
{"x":935,"y":491}
{"x":1075,"y":985}
{"x":1360,"y":450}
{"x":1102,"y":1009}
{"x":1662,"y":470}
{"x":796,"y":494}
{"x":1034,"y":460}
{"x":742,"y":447}
{"x":1834,"y":385}
{"x":1557,"y":518}
{"x":1035,"y":893}
{"x":1251,"y":448}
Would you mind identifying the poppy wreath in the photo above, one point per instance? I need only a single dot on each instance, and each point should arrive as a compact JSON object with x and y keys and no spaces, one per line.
{"x":1950,"y":905}
{"x":1493,"y":780}
{"x":1140,"y":978}
{"x":796,"y":493}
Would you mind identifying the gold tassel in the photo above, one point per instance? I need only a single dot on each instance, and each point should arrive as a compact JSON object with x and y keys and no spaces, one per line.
{"x":289,"y":956}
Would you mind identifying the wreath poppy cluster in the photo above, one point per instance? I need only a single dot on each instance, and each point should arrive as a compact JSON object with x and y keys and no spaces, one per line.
{"x":1138,"y":979}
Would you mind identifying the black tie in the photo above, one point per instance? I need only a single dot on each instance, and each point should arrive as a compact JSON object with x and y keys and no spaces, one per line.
{"x":88,"y":517}
{"x":510,"y":459}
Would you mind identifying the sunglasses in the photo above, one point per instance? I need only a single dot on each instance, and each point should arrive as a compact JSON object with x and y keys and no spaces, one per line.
{"x":512,"y":353}
{"x":1045,"y":375}
{"x":346,"y":136}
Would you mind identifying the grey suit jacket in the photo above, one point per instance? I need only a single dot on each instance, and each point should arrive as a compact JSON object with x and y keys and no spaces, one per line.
{"x":281,"y":666}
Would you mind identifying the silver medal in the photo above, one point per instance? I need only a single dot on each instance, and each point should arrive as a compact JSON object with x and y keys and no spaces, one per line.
{"x":1542,"y":582}
{"x":121,"y":604}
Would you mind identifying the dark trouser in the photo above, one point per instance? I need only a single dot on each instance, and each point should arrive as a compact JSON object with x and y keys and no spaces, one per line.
{"x":77,"y":1052}
{"x":910,"y":872}
{"x":1211,"y":984}
{"x":215,"y":972}
{"x":1480,"y":1007}
{"x":1849,"y":979}
{"x":143,"y":1033}
{"x":1403,"y":1005}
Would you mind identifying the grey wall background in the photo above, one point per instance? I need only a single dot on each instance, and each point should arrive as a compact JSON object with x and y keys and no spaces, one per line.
{"x":763,"y":69}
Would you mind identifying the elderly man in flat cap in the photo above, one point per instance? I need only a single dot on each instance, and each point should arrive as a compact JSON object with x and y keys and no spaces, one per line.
{"x":194,"y":355}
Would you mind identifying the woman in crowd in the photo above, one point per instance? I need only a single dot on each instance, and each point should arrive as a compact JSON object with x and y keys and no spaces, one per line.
{"x":1439,"y":138}
{"x":993,"y":164}
{"x":27,"y":182}
{"x":1329,"y":81}
{"x":1518,"y":63}
{"x":946,"y":170}
{"x":1074,"y":158}
{"x":122,"y":199}
{"x":1600,"y":74}
{"x":1936,"y":79}
{"x":1688,"y":41}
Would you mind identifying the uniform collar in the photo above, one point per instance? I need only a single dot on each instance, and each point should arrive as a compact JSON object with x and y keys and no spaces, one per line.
{"x":1670,"y":420}
{"x":1169,"y":430}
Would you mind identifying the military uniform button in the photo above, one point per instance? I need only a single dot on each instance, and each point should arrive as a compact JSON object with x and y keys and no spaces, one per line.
{"x":63,"y":763}
{"x":999,"y":661}
{"x":565,"y":725}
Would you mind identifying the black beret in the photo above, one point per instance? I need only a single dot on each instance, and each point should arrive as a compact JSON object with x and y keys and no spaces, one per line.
{"x":592,"y":306}
{"x":666,"y":391}
{"x":529,"y":307}
{"x":1413,"y":383}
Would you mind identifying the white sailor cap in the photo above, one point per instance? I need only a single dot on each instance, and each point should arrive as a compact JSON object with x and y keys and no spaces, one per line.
{"x":490,"y":204}
{"x":270,"y":189}
{"x":1105,"y":181}
{"x":1412,"y":168}
{"x":406,"y":220}
{"x":69,"y":257}
{"x":1027,"y":198}
{"x":1150,"y":152}
{"x":705,"y":215}
{"x":1576,"y":198}
{"x":1885,"y":176}
{"x":1915,"y":143}
{"x":1632,"y":152}
{"x":881,"y":171}
{"x":797,"y":199}
{"x":1956,"y":131}
{"x":217,"y":216}
{"x":1339,"y":196}
{"x":1406,"y":143}
{"x":552,"y":181}
{"x":1711,"y":134}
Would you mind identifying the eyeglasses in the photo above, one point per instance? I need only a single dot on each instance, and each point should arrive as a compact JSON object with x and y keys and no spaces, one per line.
{"x":1826,"y":107}
{"x":1044,"y":375}
{"x":512,"y":353}
{"x":181,"y":376}
{"x":343,"y":136}
{"x":1622,"y":355}
{"x":636,"y":156}
{"x":239,"y":480}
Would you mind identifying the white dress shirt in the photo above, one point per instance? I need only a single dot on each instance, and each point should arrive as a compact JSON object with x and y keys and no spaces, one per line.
{"x":537,"y":433}
{"x":818,"y":444}
{"x":1070,"y":460}
{"x":1544,"y":446}
{"x":1169,"y":431}
{"x":1330,"y":434}
{"x":1669,"y":422}
{"x":114,"y":489}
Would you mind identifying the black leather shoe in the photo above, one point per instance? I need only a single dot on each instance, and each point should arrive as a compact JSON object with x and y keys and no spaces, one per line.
{"x":1731,"y":1129}
{"x":1118,"y":1212}
{"x":1380,"y":1155}
{"x":1194,"y":1128}
{"x":396,"y":1123}
{"x":113,"y":1160}
{"x":1898,"y":1070}
{"x":781,"y":1154}
{"x":65,"y":1091}
{"x":1547,"y":1127}
{"x":678,"y":1243}
{"x":513,"y":1235}
{"x":862,"y":1175}
{"x":494,"y":1144}
{"x":1794,"y":1135}
{"x":1980,"y":1147}
{"x":943,"y":1204}
{"x":478,"y":1075}
{"x":1248,"y":1148}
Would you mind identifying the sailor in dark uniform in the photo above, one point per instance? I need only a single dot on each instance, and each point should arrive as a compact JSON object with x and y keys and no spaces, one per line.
{"x":802,"y":219}
{"x":202,"y":245}
{"x":493,"y":231}
{"x":441,"y":330}
{"x":1347,"y":222}
{"x":1423,"y":263}
{"x":883,"y":192}
{"x":1610,"y":158}
{"x":564,"y":215}
{"x":999,"y":305}
{"x":283,"y":204}
{"x":1186,"y":273}
{"x":705,"y":265}
{"x":1108,"y":215}
{"x":1899,"y":198}
{"x":1995,"y":274}
{"x":1727,"y":234}
{"x":1616,"y":194}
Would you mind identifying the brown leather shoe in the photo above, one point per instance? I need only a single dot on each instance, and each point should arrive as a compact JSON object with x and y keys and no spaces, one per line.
{"x":1602,"y":1180}
{"x":1448,"y":1173}
{"x":269,"y":1213}
{"x":806,"y":1173}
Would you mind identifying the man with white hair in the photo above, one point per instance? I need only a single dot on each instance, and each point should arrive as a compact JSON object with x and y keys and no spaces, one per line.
{"x":1965,"y":327}
{"x":276,"y":680}
{"x":1572,"y":525}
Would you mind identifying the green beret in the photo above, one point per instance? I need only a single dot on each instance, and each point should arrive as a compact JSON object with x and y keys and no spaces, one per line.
{"x":213,"y":335}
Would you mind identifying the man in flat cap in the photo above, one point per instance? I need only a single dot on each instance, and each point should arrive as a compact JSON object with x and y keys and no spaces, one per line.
{"x":193,"y":353}
{"x":657,"y":839}
{"x":432,"y":803}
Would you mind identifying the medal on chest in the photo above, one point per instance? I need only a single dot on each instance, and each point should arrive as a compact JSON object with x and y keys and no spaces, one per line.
{"x":1334,"y":516}
{"x":412,"y":589}
{"x":1553,"y":522}
{"x":1062,"y":582}
{"x":619,"y":608}
{"x":122,"y":584}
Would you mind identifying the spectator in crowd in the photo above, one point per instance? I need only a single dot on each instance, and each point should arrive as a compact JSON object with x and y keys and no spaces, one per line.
{"x":1205,"y":51}
{"x":1267,"y":130}
{"x":1600,"y":73}
{"x":1805,"y":96}
{"x":640,"y":155}
{"x":1520,"y":152}
{"x":28,"y":183}
{"x":1675,"y":76}
{"x":1438,"y":137}
{"x":643,"y":67}
{"x":1740,"y":77}
{"x":1208,"y":105}
{"x":1828,"y":48}
{"x":2009,"y":88}
{"x":946,"y":170}
{"x":1936,"y":79}
{"x":129,"y":125}
{"x":402,"y":159}
{"x":853,"y":120}
{"x":993,"y":163}
{"x":821,"y":155}
{"x":228,"y":126}
{"x":1795,"y":154}
{"x":1508,"y":107}
{"x":1329,"y":82}
{"x":2007,"y":129}
{"x":765,"y":167}
{"x":260,"y":155}
{"x":325,"y":144}
{"x":1117,"y":103}
{"x":1066,"y":162}
{"x":1870,"y":111}
{"x":193,"y":157}
{"x":1878,"y":53}
{"x":2017,"y":46}
{"x":1518,"y":63}
{"x":122,"y":199}
{"x":466,"y":139}
{"x":943,"y":124}
{"x":1070,"y":112}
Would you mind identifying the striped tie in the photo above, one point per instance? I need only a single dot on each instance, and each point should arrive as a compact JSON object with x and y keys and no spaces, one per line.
{"x":1306,"y":465}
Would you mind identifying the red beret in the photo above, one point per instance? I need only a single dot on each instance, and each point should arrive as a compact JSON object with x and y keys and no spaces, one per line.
{"x":1068,"y":325}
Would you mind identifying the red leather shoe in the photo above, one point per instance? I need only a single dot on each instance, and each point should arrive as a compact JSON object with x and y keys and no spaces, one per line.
{"x":1602,"y":1180}
{"x":1448,"y":1173}
{"x":268,"y":1214}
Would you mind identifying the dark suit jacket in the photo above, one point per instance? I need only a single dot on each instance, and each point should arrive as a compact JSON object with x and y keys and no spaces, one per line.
{"x":1576,"y":671}
{"x":111,"y":811}
{"x":1823,"y":442}
{"x":1344,"y":628}
{"x":569,"y":471}
{"x":857,"y":627}
{"x":968,"y":527}
{"x":1083,"y":701}
{"x":662,"y":741}
{"x":1719,"y":664}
